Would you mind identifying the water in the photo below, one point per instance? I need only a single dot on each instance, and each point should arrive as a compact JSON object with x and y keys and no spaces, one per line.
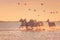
{"x":17,"y":24}
{"x":23,"y":35}
{"x":57,"y":23}
{"x":9,"y":24}
{"x":26,"y":35}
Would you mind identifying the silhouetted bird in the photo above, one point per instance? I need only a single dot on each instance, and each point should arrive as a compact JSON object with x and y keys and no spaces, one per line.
{"x":51,"y":12}
{"x":29,"y":9}
{"x":42,"y":4}
{"x":56,"y":11}
{"x":18,"y":3}
{"x":25,"y":4}
{"x":34,"y":10}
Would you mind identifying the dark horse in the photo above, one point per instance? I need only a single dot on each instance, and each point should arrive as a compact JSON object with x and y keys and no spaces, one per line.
{"x":51,"y":23}
{"x":31,"y":23}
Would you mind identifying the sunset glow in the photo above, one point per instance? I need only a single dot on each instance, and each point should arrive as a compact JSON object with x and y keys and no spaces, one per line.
{"x":13,"y":10}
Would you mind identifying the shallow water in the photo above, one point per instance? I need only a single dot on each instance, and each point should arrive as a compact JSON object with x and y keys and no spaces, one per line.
{"x":29,"y":35}
{"x":17,"y":24}
{"x":9,"y":34}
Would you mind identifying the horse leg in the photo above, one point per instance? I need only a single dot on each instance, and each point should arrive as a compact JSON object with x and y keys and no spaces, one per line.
{"x":31,"y":28}
{"x":26,"y":27}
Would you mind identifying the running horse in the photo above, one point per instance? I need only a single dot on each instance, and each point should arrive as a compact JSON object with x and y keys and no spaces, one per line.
{"x":51,"y":23}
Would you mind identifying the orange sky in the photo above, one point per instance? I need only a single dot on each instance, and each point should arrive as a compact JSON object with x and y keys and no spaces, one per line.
{"x":11,"y":11}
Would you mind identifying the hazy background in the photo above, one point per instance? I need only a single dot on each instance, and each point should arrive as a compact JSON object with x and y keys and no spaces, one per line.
{"x":11,"y":11}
